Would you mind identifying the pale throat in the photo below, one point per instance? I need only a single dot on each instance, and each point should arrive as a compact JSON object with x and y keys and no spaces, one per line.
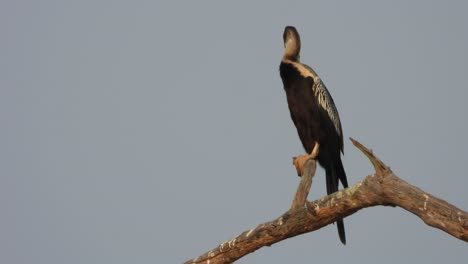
{"x":292,"y":50}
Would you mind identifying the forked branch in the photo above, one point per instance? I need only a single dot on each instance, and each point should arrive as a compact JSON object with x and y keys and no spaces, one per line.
{"x":381,"y":188}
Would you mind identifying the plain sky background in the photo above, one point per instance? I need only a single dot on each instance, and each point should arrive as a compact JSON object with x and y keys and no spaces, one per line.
{"x":150,"y":132}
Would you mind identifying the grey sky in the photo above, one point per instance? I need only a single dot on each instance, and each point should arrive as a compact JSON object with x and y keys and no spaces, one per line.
{"x":150,"y":132}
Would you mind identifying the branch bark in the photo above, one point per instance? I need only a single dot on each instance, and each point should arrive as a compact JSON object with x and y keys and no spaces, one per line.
{"x":300,"y":198}
{"x":381,"y":188}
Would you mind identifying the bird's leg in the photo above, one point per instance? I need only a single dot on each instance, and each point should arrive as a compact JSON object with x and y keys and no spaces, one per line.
{"x":315,"y":151}
{"x":299,"y":161}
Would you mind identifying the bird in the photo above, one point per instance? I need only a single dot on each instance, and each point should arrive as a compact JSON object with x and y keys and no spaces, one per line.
{"x":315,"y":116}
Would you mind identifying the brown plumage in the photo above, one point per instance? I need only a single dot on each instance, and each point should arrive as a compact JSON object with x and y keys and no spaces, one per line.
{"x":314,"y":114}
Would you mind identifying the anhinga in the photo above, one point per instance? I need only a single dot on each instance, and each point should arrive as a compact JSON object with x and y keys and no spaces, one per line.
{"x":315,"y":116}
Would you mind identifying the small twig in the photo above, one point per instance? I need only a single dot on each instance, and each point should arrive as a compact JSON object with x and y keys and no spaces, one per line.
{"x":379,"y":166}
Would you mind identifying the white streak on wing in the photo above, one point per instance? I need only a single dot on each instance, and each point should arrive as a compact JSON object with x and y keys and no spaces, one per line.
{"x":326,"y":102}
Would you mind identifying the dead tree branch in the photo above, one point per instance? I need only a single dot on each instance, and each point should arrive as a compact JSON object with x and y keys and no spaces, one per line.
{"x":381,"y":188}
{"x":300,"y":198}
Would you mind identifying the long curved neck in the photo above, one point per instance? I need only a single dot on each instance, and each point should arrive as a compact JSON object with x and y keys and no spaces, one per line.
{"x":292,"y":48}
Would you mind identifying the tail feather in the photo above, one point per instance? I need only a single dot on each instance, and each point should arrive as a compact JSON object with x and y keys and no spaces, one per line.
{"x":333,"y":175}
{"x":341,"y":231}
{"x":341,"y":174}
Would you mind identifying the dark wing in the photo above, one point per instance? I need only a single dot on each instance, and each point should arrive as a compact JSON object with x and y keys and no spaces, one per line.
{"x":325,"y":102}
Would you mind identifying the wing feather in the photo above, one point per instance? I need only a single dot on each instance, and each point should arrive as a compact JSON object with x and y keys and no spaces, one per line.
{"x":325,"y":101}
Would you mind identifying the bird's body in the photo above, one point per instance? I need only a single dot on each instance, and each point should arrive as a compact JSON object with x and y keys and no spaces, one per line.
{"x":314,"y":114}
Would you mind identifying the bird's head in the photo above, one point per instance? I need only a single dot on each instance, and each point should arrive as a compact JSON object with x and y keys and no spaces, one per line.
{"x":292,"y":43}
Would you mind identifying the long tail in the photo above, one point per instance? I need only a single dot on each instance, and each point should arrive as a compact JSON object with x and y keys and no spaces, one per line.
{"x":333,"y":175}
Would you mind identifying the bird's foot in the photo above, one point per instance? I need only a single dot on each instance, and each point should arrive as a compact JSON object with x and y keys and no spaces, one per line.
{"x":300,"y":161}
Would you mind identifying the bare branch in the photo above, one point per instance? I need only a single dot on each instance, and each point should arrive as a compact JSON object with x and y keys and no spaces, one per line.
{"x":432,"y":210}
{"x":379,"y":166}
{"x":381,"y":188}
{"x":303,"y":189}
